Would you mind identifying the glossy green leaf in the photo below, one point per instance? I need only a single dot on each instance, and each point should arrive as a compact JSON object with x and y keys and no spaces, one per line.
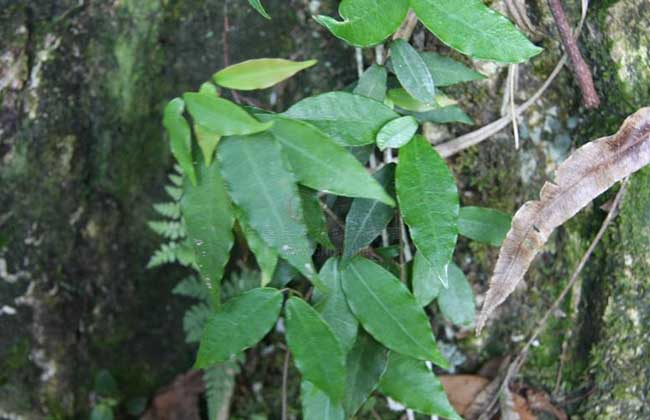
{"x":266,"y":257}
{"x":447,"y":114}
{"x":426,"y":285}
{"x":412,"y":72}
{"x":180,"y":136}
{"x":456,"y":302}
{"x":209,"y":220}
{"x":366,"y":22}
{"x":261,"y":185}
{"x":372,"y":83}
{"x":365,"y":364}
{"x":260,"y":73}
{"x":388,"y":311}
{"x":367,"y":218}
{"x":220,"y":116}
{"x":257,"y":5}
{"x":317,"y":405}
{"x":208,"y":142}
{"x":209,"y":89}
{"x":483,"y":224}
{"x":351,"y":120}
{"x":475,"y":30}
{"x":402,"y":99}
{"x":315,"y":349}
{"x":334,"y":308}
{"x":428,"y":199}
{"x":314,"y":217}
{"x":397,"y":133}
{"x":322,"y":164}
{"x":446,"y":71}
{"x":241,"y":322}
{"x":410,"y":382}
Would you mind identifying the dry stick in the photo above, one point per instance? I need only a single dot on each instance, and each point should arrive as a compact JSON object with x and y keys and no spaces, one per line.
{"x":585,"y":79}
{"x":512,"y":73}
{"x":285,"y":380}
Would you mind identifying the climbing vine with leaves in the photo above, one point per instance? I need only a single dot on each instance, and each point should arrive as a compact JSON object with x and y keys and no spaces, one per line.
{"x":355,"y":323}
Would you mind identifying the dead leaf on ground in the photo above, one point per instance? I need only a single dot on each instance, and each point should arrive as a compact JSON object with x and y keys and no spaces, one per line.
{"x":463,"y":389}
{"x":178,"y":401}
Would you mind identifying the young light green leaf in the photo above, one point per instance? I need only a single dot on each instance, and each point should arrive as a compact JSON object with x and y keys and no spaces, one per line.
{"x":372,"y":83}
{"x":428,"y":199}
{"x":260,"y":73}
{"x":257,"y":5}
{"x":367,"y":218}
{"x":456,"y":302}
{"x":241,"y":322}
{"x":446,"y":71}
{"x":366,"y":22}
{"x":314,"y":217}
{"x":351,"y":120}
{"x":180,"y":136}
{"x":483,"y":224}
{"x":412,"y":72}
{"x":209,"y":220}
{"x":475,"y":30}
{"x":447,"y":114}
{"x":260,"y":184}
{"x":397,"y":133}
{"x":315,"y":349}
{"x":220,"y":116}
{"x":426,"y":285}
{"x":410,"y":382}
{"x":388,"y":311}
{"x":266,"y":257}
{"x":365,"y":364}
{"x":207,"y":142}
{"x":320,"y":163}
{"x":317,"y":405}
{"x":209,"y":89}
{"x":402,"y":99}
{"x":334,"y":308}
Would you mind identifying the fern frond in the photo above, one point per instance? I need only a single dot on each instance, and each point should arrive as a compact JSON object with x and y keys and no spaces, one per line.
{"x":167,"y":229}
{"x":219,"y":383}
{"x":194,"y":320}
{"x":191,"y":286}
{"x":176,"y":180}
{"x":166,"y":254}
{"x":174,"y":192}
{"x":171,"y":210}
{"x":238,"y":283}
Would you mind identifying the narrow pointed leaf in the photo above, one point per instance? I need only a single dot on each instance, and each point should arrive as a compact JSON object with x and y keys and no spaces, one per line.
{"x":351,"y":120}
{"x":180,"y":136}
{"x":366,"y":363}
{"x":397,"y":133}
{"x":366,"y":22}
{"x":260,"y":73}
{"x":220,"y":116}
{"x":475,"y":30}
{"x":483,"y":224}
{"x":446,"y":71}
{"x":207,"y":142}
{"x":257,"y":5}
{"x":412,"y":72}
{"x":317,"y":405}
{"x":266,"y":257}
{"x":240,"y":323}
{"x":209,"y":219}
{"x":428,"y":199}
{"x":388,"y":311}
{"x":426,"y":284}
{"x":260,"y":184}
{"x":367,"y":218}
{"x":315,"y":349}
{"x":456,"y":302}
{"x":447,"y":114}
{"x":321,"y":164}
{"x":410,"y":382}
{"x":314,"y":217}
{"x":372,"y":83}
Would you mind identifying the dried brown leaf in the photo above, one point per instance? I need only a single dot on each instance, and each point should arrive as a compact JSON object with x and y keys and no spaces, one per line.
{"x":587,"y":173}
{"x":462,"y":389}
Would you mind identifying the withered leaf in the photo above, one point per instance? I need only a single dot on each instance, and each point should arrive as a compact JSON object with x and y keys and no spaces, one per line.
{"x":588,"y":172}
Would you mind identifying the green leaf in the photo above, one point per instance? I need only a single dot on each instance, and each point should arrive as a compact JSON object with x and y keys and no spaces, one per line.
{"x":366,"y":22}
{"x":483,"y":224}
{"x":209,"y":220}
{"x":372,"y":83}
{"x":180,"y":136}
{"x":316,"y":350}
{"x":321,"y":164}
{"x":102,"y":411}
{"x":241,"y":322}
{"x":397,"y":133}
{"x":367,"y":218}
{"x":447,"y":114}
{"x":456,"y":302}
{"x":426,"y":285}
{"x":388,"y":311}
{"x":412,"y":72}
{"x":475,"y":30}
{"x":317,"y":405}
{"x":334,"y":308}
{"x":260,"y":73}
{"x":410,"y":382}
{"x":428,"y":199}
{"x":266,"y":257}
{"x":351,"y":120}
{"x":220,"y":116}
{"x":207,"y":141}
{"x":257,"y":5}
{"x":314,"y":217}
{"x":446,"y":71}
{"x":365,"y":364}
{"x":260,"y":184}
{"x":402,"y":99}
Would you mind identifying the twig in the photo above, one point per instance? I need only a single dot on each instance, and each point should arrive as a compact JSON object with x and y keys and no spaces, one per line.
{"x":285,"y":380}
{"x":407,"y":27}
{"x":582,"y":72}
{"x":512,"y":73}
